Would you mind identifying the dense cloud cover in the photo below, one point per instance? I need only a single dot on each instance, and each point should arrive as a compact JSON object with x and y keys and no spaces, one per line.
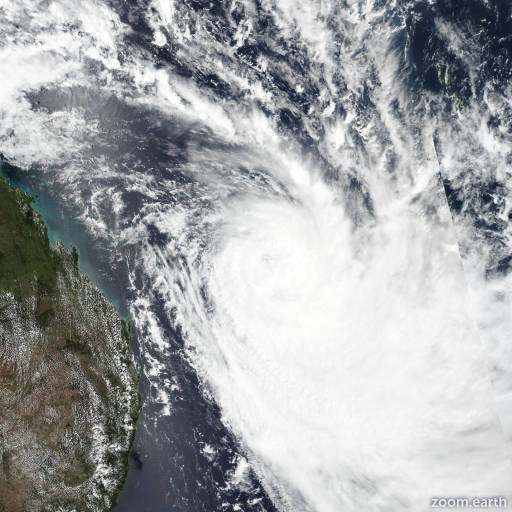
{"x":310,"y":203}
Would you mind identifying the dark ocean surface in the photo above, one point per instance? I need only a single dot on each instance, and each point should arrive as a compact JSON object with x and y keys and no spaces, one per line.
{"x":158,"y":137}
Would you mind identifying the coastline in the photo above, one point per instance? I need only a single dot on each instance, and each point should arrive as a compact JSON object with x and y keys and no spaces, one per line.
{"x":122,"y":344}
{"x":61,"y":229}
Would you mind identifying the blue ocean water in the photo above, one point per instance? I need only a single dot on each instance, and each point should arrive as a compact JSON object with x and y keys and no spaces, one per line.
{"x":62,"y":228}
{"x":317,"y":78}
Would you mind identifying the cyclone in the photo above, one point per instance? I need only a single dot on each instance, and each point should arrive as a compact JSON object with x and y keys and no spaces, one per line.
{"x":344,"y":358}
{"x":304,"y":207}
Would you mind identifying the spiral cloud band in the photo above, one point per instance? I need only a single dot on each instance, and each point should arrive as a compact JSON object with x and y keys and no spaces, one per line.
{"x":305,"y":207}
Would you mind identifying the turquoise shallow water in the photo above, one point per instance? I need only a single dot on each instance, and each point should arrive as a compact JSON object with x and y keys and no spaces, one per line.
{"x":50,"y":214}
{"x":61,"y":228}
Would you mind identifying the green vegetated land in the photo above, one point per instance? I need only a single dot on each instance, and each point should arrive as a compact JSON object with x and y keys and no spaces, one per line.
{"x":25,"y":251}
{"x":68,"y":395}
